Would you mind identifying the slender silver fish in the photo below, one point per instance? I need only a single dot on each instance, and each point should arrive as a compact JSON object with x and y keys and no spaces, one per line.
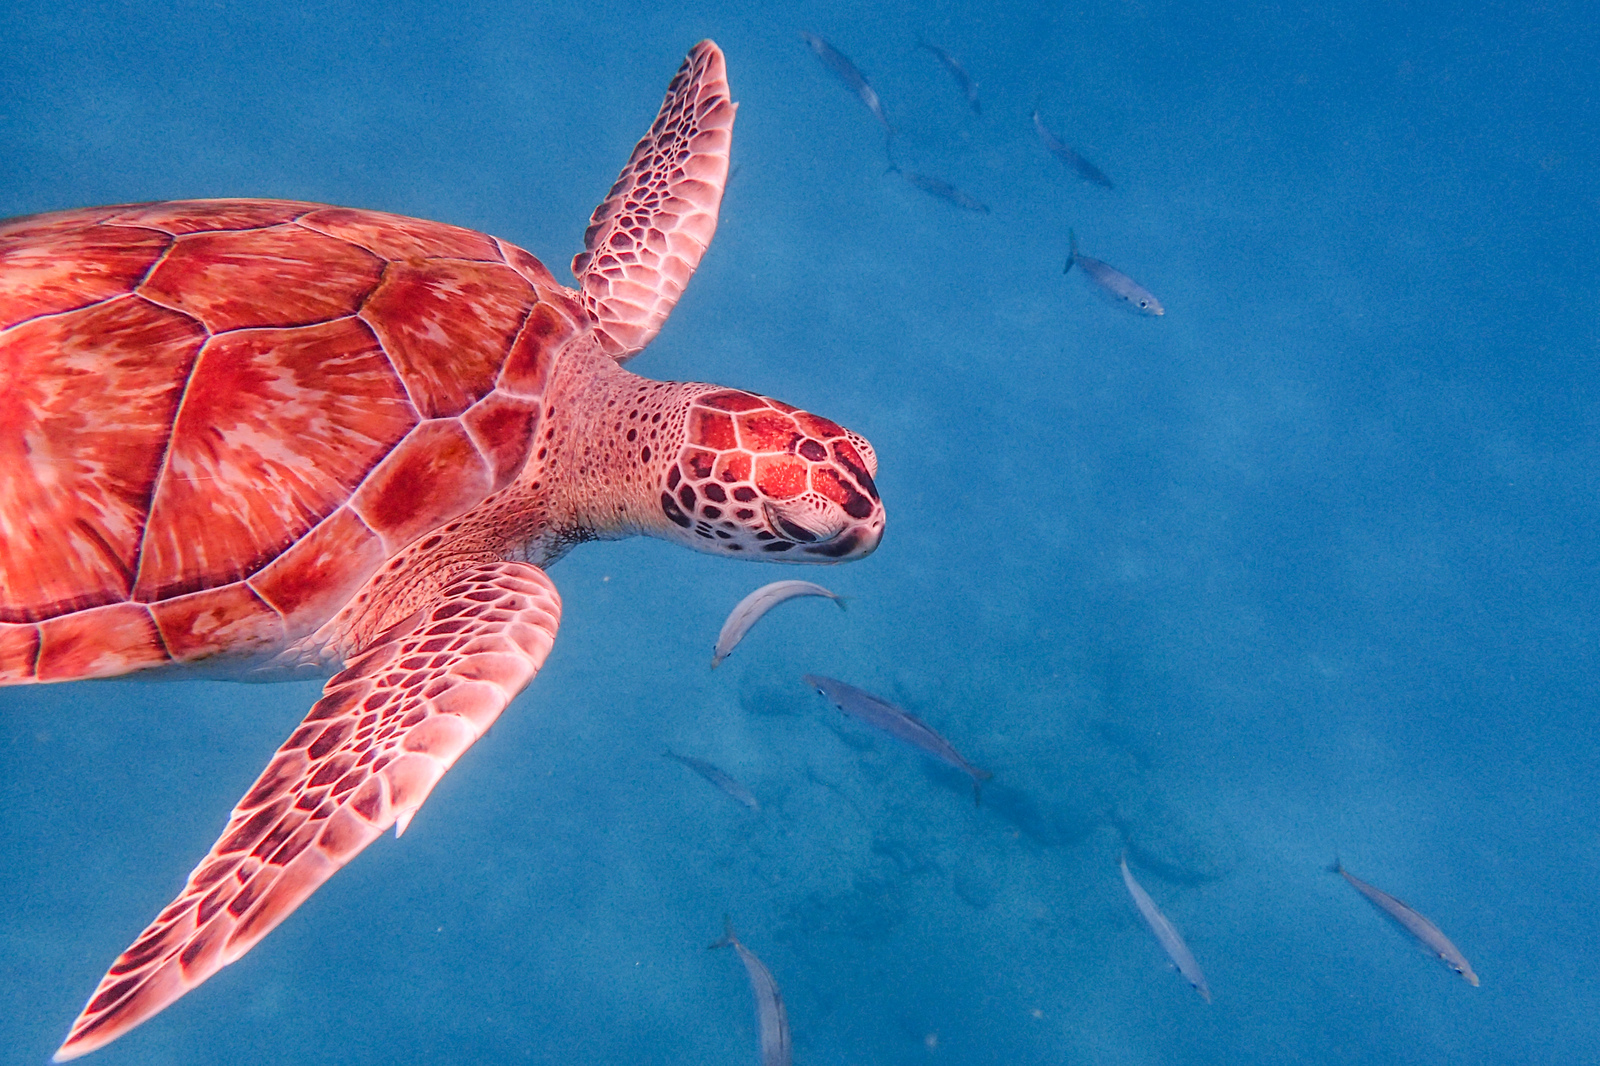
{"x":1086,"y":170}
{"x":1413,"y":923}
{"x":964,"y":82}
{"x":774,"y":1022}
{"x":852,"y":77}
{"x":749,"y":610}
{"x":716,"y":777}
{"x":943,"y":190}
{"x":900,"y":724}
{"x":1114,"y":282}
{"x":1171,"y":942}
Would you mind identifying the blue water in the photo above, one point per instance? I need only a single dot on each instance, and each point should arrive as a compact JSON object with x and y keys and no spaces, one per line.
{"x":1307,"y":566}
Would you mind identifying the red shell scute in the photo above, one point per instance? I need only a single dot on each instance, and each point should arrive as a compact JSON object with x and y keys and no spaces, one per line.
{"x":47,"y":269}
{"x":434,"y":475}
{"x":19,"y":651}
{"x":280,"y":276}
{"x":396,"y":237}
{"x":230,"y":618}
{"x":447,"y":325}
{"x":197,"y":216}
{"x":101,"y":642}
{"x":233,"y":497}
{"x":86,"y":405}
{"x":323,"y":569}
{"x":527,"y":368}
{"x":503,"y":428}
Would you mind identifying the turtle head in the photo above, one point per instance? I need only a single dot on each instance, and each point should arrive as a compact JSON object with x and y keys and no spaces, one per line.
{"x":760,"y":479}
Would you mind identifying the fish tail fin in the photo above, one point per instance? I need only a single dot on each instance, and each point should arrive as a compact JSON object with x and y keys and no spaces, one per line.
{"x":727,"y":935}
{"x":1336,"y":868}
{"x":1072,"y":255}
{"x":843,"y":602}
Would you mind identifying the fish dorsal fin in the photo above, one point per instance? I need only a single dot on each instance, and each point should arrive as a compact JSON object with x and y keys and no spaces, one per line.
{"x":372,"y":748}
{"x":646,"y":239}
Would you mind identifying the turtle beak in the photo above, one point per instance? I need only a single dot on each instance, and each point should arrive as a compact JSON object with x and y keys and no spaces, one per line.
{"x":855,"y":541}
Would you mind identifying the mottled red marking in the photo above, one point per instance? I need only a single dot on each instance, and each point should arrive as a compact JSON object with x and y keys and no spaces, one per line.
{"x":711,"y":430}
{"x":102,"y":642}
{"x":193,"y":216}
{"x":397,"y":237}
{"x":319,"y":574}
{"x":448,"y":325}
{"x":780,"y":477}
{"x":19,"y":650}
{"x":503,"y":428}
{"x":64,"y":262}
{"x":86,"y":403}
{"x":699,"y":464}
{"x":731,"y":400}
{"x":433,"y":476}
{"x":527,"y":368}
{"x":817,"y":426}
{"x":282,"y":276}
{"x":767,"y":431}
{"x":277,"y":428}
{"x":733,"y":466}
{"x":227,"y":619}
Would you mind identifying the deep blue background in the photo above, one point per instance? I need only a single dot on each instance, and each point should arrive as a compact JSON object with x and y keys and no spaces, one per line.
{"x":1307,"y":566}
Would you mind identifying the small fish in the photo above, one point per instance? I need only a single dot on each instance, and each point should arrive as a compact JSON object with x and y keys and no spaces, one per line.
{"x":749,"y":611}
{"x":900,"y":724}
{"x":716,"y":777}
{"x":1413,"y":923}
{"x":852,"y":77}
{"x":1086,"y":170}
{"x":774,"y":1022}
{"x":943,"y":190}
{"x":1114,"y":282}
{"x":1171,"y":942}
{"x":968,"y":87}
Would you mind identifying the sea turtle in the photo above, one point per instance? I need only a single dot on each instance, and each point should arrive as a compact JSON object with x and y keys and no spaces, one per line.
{"x":254,"y":438}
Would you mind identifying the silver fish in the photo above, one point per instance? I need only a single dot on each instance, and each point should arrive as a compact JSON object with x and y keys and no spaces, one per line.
{"x":964,"y":82}
{"x":943,"y":190}
{"x":1114,"y":282}
{"x":1413,"y":923}
{"x":749,"y":611}
{"x":900,"y":724}
{"x":1171,"y":942}
{"x":1086,"y":170}
{"x":716,"y":777}
{"x":852,"y":77}
{"x":773,"y":1020}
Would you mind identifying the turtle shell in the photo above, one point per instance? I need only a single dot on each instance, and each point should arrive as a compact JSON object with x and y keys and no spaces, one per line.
{"x":219,"y":418}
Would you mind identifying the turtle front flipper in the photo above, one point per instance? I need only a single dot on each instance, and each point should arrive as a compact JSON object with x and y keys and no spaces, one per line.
{"x":646,"y":239}
{"x":372,"y":748}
